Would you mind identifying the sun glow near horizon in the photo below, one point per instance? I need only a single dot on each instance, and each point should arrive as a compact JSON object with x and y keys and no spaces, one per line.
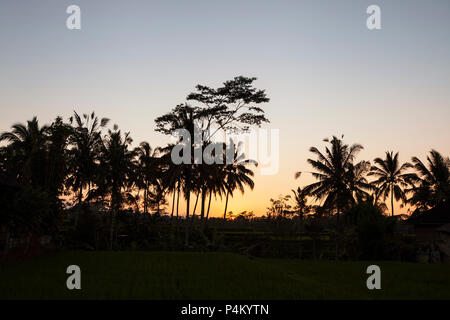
{"x":325,"y":73}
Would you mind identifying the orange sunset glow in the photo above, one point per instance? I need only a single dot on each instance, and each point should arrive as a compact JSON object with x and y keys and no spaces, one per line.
{"x":224,"y":159}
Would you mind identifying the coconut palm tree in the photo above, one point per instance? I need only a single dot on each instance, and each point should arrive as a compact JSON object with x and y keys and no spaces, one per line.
{"x":35,"y":156}
{"x":301,"y":207}
{"x":157,"y":198}
{"x":216,"y":184}
{"x":335,"y":172}
{"x":85,"y":142}
{"x":56,"y":169}
{"x":210,"y":180}
{"x":182,"y":117}
{"x":147,"y":169}
{"x":431,"y":187}
{"x":171,"y":176}
{"x":205,"y":173}
{"x":390,"y":177}
{"x":113,"y":176}
{"x":237,"y":175}
{"x":358,"y":184}
{"x":300,"y":200}
{"x":26,"y":145}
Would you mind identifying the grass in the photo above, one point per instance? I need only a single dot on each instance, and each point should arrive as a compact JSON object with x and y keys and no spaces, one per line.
{"x":179,"y":275}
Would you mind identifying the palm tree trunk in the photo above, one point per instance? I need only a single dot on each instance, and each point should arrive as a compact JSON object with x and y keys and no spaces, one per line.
{"x":111,"y":230}
{"x":300,"y":235}
{"x":80,"y":194}
{"x":80,"y":200}
{"x":173,"y":203}
{"x":145,"y":200}
{"x":226,"y":205}
{"x":337,"y":235}
{"x":186,"y":233}
{"x":209,"y":205}
{"x":392,"y":199}
{"x":190,"y":224}
{"x":188,"y":203}
{"x":202,"y":213}
{"x":195,"y":205}
{"x":137,"y":200}
{"x":178,"y":199}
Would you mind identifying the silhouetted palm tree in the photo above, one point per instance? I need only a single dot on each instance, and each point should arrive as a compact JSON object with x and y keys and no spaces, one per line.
{"x":56,"y":169}
{"x":300,"y":200}
{"x":204,"y":184}
{"x":237,"y":175}
{"x":358,"y":184}
{"x":114,"y":171}
{"x":335,"y":172}
{"x":391,"y":178}
{"x":171,"y":176}
{"x":86,"y":142}
{"x":183,"y":117}
{"x":210,"y":180}
{"x":216,"y":183}
{"x":301,"y":207}
{"x":26,"y":142}
{"x":157,"y":197}
{"x":147,"y":169}
{"x":431,"y":186}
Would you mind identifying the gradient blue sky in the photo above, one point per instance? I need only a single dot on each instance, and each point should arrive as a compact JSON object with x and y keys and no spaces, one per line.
{"x":324,"y":71}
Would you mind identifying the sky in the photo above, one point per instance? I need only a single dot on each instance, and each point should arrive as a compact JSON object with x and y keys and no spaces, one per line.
{"x":325,"y":72}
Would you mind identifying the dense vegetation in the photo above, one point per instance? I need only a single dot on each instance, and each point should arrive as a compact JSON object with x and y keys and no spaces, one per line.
{"x":83,"y":183}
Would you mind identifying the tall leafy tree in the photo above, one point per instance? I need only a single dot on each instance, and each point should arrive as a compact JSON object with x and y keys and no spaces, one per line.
{"x":232,"y":107}
{"x":279,"y":207}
